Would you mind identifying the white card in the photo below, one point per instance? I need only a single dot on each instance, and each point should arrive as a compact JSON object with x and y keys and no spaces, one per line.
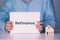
{"x":24,"y":22}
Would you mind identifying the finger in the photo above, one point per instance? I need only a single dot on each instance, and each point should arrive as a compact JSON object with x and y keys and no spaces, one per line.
{"x":8,"y":28}
{"x":9,"y":25}
{"x":39,"y":22}
{"x":40,"y":30}
{"x":39,"y":26}
{"x":9,"y":22}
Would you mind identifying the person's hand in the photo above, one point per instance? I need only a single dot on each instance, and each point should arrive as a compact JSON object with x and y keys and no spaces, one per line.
{"x":8,"y":26}
{"x":39,"y":26}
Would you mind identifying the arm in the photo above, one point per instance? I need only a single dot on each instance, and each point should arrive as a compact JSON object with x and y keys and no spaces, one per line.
{"x":4,"y":14}
{"x":3,"y":18}
{"x":49,"y":16}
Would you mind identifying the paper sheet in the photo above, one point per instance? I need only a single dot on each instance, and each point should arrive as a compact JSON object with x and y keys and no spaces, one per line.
{"x":24,"y":22}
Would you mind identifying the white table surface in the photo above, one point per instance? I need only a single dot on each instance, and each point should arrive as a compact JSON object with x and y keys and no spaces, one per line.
{"x":7,"y":36}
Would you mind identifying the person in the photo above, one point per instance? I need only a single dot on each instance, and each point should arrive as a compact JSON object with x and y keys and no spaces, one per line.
{"x":45,"y":7}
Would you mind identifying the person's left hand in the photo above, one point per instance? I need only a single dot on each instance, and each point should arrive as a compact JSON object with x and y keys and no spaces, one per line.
{"x":39,"y":26}
{"x":8,"y":26}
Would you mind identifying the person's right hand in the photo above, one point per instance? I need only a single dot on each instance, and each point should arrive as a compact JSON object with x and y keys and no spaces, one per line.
{"x":8,"y":26}
{"x":39,"y":26}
